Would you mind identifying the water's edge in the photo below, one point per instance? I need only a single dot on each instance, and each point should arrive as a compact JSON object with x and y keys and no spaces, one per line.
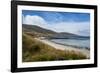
{"x":75,"y":46}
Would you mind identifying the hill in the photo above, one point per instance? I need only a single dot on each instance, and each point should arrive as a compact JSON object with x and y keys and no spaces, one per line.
{"x":38,"y":31}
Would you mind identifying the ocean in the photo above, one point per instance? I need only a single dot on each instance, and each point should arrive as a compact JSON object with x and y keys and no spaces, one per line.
{"x":83,"y":43}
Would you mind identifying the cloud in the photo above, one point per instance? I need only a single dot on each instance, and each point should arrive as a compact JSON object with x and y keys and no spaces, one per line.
{"x":72,"y":27}
{"x":81,"y":28}
{"x":34,"y":20}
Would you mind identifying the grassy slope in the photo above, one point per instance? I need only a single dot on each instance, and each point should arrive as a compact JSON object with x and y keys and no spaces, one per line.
{"x":34,"y":50}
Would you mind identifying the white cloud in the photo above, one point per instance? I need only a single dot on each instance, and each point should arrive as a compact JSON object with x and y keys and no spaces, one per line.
{"x":72,"y":27}
{"x":34,"y":20}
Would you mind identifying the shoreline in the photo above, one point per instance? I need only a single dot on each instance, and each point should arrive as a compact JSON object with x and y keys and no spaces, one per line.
{"x":65,"y":47}
{"x":71,"y":45}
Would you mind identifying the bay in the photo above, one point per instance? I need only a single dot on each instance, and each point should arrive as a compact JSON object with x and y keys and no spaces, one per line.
{"x":84,"y":43}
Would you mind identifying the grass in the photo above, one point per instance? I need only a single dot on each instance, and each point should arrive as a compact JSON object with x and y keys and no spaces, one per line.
{"x":34,"y":50}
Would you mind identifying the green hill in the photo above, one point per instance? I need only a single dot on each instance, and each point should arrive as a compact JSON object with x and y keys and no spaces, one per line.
{"x":43,"y":32}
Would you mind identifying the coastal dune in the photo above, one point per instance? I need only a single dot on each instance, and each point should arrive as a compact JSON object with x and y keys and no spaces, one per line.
{"x":65,"y":47}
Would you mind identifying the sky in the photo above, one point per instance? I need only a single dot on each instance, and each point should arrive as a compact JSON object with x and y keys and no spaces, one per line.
{"x":77,"y":23}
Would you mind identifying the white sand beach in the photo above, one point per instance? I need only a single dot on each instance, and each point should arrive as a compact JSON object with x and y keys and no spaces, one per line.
{"x":66,"y":48}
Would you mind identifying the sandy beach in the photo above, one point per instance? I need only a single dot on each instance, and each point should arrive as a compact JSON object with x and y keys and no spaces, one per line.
{"x":66,"y":48}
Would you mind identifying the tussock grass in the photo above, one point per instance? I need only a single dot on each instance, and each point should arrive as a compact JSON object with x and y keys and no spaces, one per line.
{"x":34,"y":50}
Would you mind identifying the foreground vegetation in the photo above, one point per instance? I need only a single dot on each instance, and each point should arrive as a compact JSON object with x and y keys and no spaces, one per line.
{"x":34,"y":50}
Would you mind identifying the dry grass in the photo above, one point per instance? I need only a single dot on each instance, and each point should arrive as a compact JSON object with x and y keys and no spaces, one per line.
{"x":34,"y":50}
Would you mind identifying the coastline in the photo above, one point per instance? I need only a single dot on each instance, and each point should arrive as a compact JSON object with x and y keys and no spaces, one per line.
{"x":65,"y":47}
{"x":71,"y":45}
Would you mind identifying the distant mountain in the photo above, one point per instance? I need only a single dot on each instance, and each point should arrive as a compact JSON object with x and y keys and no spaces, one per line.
{"x":68,"y":35}
{"x":64,"y":35}
{"x":36,"y":29}
{"x":42,"y":32}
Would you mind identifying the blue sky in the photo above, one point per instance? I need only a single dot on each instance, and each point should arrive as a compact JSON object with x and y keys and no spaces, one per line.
{"x":72,"y":22}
